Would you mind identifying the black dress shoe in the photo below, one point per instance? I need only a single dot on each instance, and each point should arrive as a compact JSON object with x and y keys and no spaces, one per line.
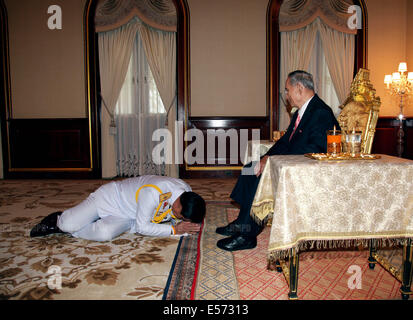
{"x":231,"y":229}
{"x":237,"y":242}
{"x":47,"y":226}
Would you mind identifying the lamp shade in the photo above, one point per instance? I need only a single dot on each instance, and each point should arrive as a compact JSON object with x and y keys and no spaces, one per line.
{"x":396,"y":76}
{"x":402,"y":67}
{"x":387,"y":79}
{"x":410,"y":76}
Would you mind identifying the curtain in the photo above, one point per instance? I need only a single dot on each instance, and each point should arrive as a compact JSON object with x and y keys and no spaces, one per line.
{"x":322,"y":79}
{"x":115,"y":49}
{"x":160,"y":49}
{"x":296,"y":48}
{"x":139,"y":112}
{"x":339,"y":52}
{"x":1,"y":157}
{"x":326,"y":53}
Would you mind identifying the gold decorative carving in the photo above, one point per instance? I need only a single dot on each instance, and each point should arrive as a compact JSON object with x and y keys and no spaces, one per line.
{"x":341,"y":156}
{"x":360,"y":111}
{"x":387,"y":266}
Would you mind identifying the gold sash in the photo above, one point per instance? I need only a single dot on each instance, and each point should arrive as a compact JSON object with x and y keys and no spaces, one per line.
{"x":159,"y":216}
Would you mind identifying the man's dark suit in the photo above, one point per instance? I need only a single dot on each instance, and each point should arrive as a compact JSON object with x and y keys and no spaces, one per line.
{"x":310,"y":136}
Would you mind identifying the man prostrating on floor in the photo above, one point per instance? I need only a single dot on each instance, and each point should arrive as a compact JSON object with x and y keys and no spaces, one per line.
{"x":307,"y":133}
{"x":138,"y":205}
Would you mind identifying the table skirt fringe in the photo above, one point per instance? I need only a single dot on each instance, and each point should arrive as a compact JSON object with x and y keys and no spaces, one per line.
{"x":283,"y":254}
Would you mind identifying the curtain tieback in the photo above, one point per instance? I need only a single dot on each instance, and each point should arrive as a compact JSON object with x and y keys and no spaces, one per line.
{"x":112,"y":126}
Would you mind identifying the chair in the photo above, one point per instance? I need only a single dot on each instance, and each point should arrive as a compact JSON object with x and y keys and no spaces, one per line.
{"x":360,"y":111}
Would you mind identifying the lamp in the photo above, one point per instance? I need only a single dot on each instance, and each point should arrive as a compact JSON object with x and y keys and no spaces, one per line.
{"x":400,"y":84}
{"x":402,"y":67}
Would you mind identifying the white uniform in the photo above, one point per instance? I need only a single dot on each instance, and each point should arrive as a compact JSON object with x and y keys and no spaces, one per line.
{"x":135,"y":204}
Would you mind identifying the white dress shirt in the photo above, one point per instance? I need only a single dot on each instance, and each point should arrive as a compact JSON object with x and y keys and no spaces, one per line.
{"x":304,"y":107}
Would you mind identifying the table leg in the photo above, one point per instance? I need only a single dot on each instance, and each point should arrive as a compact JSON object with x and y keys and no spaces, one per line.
{"x":373,"y":250}
{"x":278,"y":266}
{"x":407,"y":270}
{"x":294,"y":260}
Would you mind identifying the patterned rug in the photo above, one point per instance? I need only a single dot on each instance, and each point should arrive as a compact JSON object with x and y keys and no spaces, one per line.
{"x":323,"y":275}
{"x":137,"y":267}
{"x":216,"y":277}
{"x":62,"y":267}
{"x":182,"y":276}
{"x":195,"y":258}
{"x":214,"y":191}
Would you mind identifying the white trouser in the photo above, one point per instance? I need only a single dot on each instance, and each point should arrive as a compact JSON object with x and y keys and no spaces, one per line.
{"x":83,"y":221}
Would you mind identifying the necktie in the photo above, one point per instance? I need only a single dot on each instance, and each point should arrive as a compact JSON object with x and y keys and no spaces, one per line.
{"x":297,"y":121}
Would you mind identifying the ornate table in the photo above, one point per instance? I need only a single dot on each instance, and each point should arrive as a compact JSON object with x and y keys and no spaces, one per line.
{"x":329,"y":204}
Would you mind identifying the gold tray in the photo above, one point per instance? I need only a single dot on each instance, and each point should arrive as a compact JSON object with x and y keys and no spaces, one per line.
{"x":343,"y":156}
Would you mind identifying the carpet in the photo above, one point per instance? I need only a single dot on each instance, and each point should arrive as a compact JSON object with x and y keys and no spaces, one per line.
{"x":134,"y":267}
{"x":216,"y":276}
{"x":214,"y":191}
{"x":59,"y":266}
{"x":323,"y":275}
{"x":183,"y":273}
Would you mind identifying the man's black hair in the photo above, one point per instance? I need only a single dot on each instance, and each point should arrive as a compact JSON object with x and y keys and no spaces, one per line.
{"x":193,"y":206}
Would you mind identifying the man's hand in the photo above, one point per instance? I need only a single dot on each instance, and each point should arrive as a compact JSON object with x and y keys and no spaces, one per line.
{"x":187,"y":227}
{"x":260,"y":166}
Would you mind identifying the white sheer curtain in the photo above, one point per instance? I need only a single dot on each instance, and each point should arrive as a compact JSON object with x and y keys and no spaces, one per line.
{"x":339,"y":52}
{"x":160,"y":49}
{"x":295,"y":48}
{"x":139,"y":112}
{"x":115,"y":49}
{"x":322,"y":79}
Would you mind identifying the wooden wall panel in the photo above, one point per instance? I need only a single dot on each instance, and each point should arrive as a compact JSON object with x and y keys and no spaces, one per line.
{"x":231,"y":166}
{"x":385,"y":139}
{"x":40,"y":147}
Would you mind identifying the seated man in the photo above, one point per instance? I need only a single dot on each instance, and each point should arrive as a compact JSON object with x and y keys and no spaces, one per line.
{"x":307,"y":133}
{"x":138,"y":204}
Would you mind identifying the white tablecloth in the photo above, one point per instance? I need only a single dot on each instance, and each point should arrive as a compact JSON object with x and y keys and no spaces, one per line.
{"x":330,"y":203}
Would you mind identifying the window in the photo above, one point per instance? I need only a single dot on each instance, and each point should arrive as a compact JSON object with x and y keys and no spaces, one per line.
{"x":139,"y":93}
{"x":139,"y":112}
{"x":323,"y":83}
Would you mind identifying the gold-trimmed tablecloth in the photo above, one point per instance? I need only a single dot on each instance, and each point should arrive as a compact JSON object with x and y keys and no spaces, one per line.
{"x":325,"y":204}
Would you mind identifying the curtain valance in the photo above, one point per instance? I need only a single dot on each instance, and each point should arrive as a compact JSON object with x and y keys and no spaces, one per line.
{"x":296,"y":14}
{"x":112,"y":14}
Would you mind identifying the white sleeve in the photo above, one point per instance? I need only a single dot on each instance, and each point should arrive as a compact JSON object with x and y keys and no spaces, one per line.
{"x":148,"y":201}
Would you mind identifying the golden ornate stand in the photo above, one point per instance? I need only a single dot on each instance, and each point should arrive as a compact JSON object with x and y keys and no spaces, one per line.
{"x":405,"y":275}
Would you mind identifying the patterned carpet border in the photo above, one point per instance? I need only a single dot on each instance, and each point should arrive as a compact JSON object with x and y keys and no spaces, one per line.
{"x":182,"y":276}
{"x":216,"y":278}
